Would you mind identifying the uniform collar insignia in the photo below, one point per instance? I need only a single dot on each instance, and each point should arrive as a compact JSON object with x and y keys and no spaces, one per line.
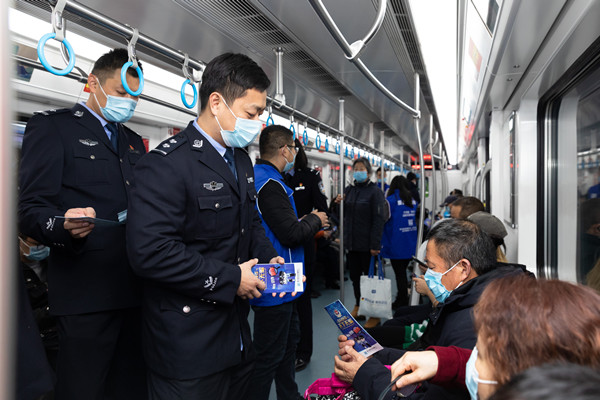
{"x":250,"y":179}
{"x":198,"y":143}
{"x":213,"y":186}
{"x":88,"y":142}
{"x":172,"y":141}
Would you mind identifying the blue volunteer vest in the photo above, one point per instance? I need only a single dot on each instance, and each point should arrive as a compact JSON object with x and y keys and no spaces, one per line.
{"x":263,"y":173}
{"x":399,"y":239}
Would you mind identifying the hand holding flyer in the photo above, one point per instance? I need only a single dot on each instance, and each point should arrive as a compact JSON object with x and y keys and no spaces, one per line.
{"x":363,"y":342}
{"x":280,"y":278}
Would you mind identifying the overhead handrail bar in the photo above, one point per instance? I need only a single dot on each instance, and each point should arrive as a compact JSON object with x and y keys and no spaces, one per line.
{"x":287,"y":110}
{"x":83,"y":79}
{"x":178,"y":57}
{"x":126,"y":31}
{"x":322,"y":12}
{"x":358,"y":46}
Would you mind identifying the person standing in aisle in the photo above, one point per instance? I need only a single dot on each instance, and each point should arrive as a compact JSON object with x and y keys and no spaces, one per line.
{"x":276,"y":324}
{"x":194,"y":236}
{"x":363,"y":226}
{"x":79,"y":162}
{"x":399,"y":240}
{"x":309,"y":195}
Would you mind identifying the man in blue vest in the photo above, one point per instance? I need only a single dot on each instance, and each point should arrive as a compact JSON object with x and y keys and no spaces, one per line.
{"x":276,"y":324}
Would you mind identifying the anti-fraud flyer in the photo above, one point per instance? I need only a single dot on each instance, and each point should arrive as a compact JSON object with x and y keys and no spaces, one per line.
{"x":364,"y":343}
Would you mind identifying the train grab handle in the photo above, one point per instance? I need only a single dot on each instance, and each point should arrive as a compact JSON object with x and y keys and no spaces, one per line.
{"x":132,"y":63}
{"x":183,"y":98}
{"x":42,"y":56}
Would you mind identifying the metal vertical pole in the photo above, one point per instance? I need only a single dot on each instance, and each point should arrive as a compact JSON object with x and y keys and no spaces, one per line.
{"x":279,"y":96}
{"x":342,"y":182}
{"x":414,"y":297}
{"x":381,"y":144}
{"x":432,"y":187}
{"x":8,"y":244}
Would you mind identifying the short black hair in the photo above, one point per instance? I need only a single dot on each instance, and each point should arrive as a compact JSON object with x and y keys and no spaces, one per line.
{"x":108,"y":63}
{"x":301,"y":161}
{"x":468,"y":205}
{"x":456,"y":192}
{"x":551,"y":382}
{"x":456,"y":239}
{"x":364,"y":161}
{"x":272,"y":138}
{"x":231,"y":75}
{"x":411,"y":176}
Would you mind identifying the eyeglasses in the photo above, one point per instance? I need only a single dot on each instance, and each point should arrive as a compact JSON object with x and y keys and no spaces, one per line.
{"x":420,"y":262}
{"x":290,"y":146}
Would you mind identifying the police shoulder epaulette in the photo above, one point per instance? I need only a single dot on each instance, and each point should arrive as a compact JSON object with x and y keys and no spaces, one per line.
{"x":52,"y":111}
{"x":169,"y":145}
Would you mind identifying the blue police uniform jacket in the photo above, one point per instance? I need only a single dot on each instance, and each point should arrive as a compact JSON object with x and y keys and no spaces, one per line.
{"x":399,"y":239}
{"x":263,"y":173}
{"x":190,"y":225}
{"x":68,"y":162}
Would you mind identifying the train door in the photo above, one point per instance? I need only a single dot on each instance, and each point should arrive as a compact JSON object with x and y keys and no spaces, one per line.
{"x":570,"y":173}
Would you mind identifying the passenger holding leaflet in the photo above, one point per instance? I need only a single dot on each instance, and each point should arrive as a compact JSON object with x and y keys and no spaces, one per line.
{"x":194,"y":236}
{"x":276,"y":323}
{"x":520,"y":323}
{"x":80,"y":162}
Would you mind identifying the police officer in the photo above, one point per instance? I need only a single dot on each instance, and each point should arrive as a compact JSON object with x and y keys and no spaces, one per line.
{"x":195,"y":234}
{"x":79,"y":162}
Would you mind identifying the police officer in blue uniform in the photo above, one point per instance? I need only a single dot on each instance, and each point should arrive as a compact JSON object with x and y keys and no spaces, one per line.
{"x":79,"y":162}
{"x":194,"y":235}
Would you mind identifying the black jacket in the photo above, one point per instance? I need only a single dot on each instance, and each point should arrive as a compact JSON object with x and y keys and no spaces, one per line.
{"x":280,"y":217}
{"x":364,"y":216}
{"x":450,"y":324}
{"x":308,"y":191}
{"x":190,"y":224}
{"x":69,"y":162}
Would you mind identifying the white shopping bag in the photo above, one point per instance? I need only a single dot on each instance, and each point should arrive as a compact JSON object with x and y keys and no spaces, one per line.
{"x":375,"y":293}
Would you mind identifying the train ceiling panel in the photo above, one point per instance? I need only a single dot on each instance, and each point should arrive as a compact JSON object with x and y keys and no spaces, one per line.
{"x":315,"y":72}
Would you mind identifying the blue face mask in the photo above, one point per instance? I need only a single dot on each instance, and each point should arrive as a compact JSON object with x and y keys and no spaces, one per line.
{"x":36,"y":253}
{"x":117,"y":109}
{"x":434,"y":282}
{"x":289,"y":165}
{"x":472,"y":376}
{"x":244,"y":133}
{"x":360,"y":176}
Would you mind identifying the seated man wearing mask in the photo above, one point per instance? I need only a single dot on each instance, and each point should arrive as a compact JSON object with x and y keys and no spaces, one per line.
{"x":461,"y":263}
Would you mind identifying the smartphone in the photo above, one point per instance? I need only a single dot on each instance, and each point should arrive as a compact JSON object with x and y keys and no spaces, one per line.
{"x":422,"y":263}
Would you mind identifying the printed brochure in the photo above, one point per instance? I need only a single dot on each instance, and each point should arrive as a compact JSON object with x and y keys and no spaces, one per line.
{"x":280,"y":277}
{"x":364,"y":343}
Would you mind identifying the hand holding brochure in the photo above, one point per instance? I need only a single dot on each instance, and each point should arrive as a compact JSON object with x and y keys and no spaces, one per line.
{"x":363,"y":342}
{"x":95,"y":221}
{"x":280,"y":277}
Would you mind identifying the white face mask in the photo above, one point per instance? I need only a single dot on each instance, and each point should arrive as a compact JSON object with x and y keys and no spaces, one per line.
{"x":244,"y":133}
{"x":117,"y":109}
{"x":472,"y":376}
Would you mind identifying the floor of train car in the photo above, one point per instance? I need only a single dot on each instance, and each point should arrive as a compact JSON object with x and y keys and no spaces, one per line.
{"x":325,"y":332}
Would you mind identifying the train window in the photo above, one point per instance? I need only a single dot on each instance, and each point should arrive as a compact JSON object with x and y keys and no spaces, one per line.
{"x":570,"y":174}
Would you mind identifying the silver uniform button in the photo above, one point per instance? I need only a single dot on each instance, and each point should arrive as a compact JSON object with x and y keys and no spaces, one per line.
{"x":93,"y":157}
{"x":121,"y":160}
{"x":217,"y":205}
{"x":127,"y":182}
{"x":242,"y":231}
{"x":186,"y":309}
